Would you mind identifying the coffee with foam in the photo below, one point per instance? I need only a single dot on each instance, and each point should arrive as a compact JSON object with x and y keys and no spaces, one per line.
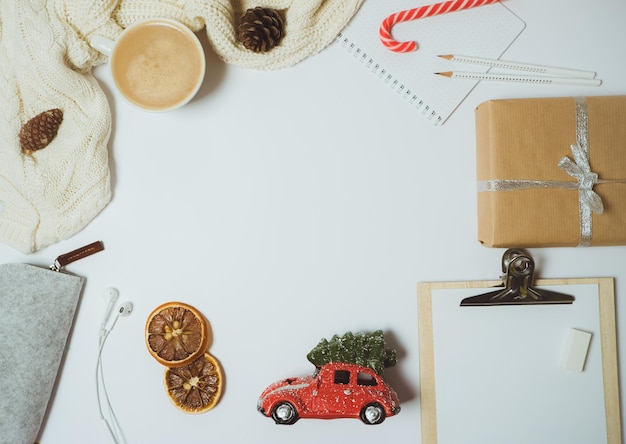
{"x":158,"y":65}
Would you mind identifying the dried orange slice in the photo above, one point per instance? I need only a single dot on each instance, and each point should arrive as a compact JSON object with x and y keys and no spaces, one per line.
{"x":196,"y":387}
{"x":176,"y":334}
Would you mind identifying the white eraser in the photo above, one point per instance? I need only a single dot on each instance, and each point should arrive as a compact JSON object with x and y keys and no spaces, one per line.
{"x":576,"y":351}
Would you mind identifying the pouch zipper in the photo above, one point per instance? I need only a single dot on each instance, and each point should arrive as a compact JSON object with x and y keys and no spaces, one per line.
{"x":75,"y":255}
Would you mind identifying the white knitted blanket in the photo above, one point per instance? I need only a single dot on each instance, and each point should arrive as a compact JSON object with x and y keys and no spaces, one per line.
{"x":45,"y":63}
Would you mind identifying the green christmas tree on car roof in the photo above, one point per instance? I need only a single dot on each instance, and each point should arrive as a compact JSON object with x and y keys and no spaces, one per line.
{"x":364,"y":349}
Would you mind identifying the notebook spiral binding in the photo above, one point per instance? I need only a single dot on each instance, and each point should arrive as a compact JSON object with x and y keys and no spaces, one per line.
{"x":388,"y":78}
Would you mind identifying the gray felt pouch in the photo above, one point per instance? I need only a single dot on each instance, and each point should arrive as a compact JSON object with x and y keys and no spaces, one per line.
{"x":37,"y":306}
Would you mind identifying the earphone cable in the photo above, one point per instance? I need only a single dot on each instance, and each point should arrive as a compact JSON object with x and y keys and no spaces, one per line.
{"x":100,"y":377}
{"x":111,"y":424}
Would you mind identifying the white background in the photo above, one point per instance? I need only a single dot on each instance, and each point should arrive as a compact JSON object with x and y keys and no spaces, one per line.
{"x":291,"y":205}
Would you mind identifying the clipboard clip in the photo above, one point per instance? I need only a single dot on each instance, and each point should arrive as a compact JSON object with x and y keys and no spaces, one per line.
{"x":519,"y":268}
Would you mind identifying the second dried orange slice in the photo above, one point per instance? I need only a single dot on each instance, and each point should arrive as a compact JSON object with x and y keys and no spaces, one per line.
{"x":197,"y":387}
{"x":176,"y":334}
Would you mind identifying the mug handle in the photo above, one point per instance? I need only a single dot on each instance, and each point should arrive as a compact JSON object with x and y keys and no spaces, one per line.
{"x":102,"y":44}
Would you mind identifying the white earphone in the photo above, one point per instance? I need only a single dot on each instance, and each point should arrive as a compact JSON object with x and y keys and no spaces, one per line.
{"x":110,"y":295}
{"x":112,"y":425}
{"x":125,"y":309}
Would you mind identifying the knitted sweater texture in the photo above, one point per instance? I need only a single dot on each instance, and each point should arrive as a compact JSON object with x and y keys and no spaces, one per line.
{"x":46,"y":62}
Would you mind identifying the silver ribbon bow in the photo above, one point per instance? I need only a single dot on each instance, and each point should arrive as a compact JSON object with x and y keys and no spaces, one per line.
{"x":579,"y":169}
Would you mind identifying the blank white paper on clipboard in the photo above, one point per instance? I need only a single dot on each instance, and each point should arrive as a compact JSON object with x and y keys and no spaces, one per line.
{"x":493,"y":374}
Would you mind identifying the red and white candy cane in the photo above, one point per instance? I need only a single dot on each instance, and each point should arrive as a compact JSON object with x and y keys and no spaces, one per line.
{"x":421,"y":12}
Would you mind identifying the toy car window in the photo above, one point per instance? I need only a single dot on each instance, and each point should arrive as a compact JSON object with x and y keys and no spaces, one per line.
{"x":342,"y":377}
{"x":365,"y":379}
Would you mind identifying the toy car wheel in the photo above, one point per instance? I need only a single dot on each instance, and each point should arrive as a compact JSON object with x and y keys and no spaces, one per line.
{"x":284,"y":413}
{"x":372,"y":413}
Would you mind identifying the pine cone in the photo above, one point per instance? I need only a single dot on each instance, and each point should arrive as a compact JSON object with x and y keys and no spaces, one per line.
{"x":39,"y":131}
{"x":261,"y":29}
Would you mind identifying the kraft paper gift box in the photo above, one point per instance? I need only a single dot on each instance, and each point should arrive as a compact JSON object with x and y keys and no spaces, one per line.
{"x":551,"y":172}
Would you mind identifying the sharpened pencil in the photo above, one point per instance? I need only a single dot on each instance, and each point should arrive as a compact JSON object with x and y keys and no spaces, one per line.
{"x":520,"y":78}
{"x":528,"y":67}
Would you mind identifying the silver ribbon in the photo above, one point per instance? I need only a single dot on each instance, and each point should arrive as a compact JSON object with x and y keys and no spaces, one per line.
{"x":588,"y":200}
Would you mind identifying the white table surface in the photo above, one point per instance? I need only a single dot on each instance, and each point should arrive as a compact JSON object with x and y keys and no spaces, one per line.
{"x":289,"y":206}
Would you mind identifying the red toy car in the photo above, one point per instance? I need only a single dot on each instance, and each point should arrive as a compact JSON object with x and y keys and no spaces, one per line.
{"x":335,"y":390}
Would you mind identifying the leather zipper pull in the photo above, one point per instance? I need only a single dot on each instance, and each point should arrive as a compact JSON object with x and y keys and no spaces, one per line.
{"x":75,"y":255}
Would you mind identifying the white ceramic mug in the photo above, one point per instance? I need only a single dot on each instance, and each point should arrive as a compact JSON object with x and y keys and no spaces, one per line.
{"x":157,"y":64}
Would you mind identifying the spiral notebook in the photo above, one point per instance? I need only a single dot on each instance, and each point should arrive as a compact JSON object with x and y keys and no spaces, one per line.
{"x":483,"y":31}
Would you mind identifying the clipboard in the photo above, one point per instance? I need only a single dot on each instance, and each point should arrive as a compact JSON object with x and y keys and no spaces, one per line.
{"x":563,"y":411}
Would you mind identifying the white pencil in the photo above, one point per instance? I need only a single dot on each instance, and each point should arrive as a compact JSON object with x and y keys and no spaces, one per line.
{"x":520,"y":78}
{"x":537,"y":69}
